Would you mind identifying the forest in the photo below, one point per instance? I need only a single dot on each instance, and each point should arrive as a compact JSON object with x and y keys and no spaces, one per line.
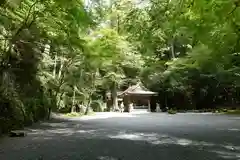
{"x":56,"y":54}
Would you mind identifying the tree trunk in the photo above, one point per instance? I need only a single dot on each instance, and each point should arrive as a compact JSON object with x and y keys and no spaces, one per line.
{"x":59,"y":99}
{"x":87,"y":108}
{"x":51,"y":103}
{"x":73,"y":109}
{"x":49,"y":113}
{"x":60,"y":70}
{"x":114,"y":96}
{"x":55,"y":66}
{"x":173,"y":49}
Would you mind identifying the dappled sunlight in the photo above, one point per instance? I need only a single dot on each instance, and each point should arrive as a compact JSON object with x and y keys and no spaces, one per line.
{"x":184,"y":142}
{"x":104,"y":115}
{"x":140,"y":111}
{"x":85,"y":131}
{"x":234,"y":129}
{"x":112,"y":138}
{"x":106,"y":158}
{"x":49,"y":131}
{"x":231,"y":147}
{"x":224,"y":151}
{"x":45,"y":134}
{"x":227,"y":154}
{"x":107,"y":115}
{"x":35,"y":131}
{"x":55,"y":124}
{"x":61,"y":131}
{"x":135,"y":136}
{"x":42,"y":138}
{"x":152,"y":138}
{"x":49,"y":134}
{"x":135,"y":129}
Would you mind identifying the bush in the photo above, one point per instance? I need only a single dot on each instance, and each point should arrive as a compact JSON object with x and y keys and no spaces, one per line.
{"x":171,"y":111}
{"x":106,"y":110}
{"x":224,"y":110}
{"x":74,"y":114}
{"x":65,"y":109}
{"x":233,"y":112}
{"x":220,"y":110}
{"x":97,"y":106}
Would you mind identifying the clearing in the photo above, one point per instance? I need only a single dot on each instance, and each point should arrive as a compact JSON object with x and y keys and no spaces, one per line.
{"x":129,"y":136}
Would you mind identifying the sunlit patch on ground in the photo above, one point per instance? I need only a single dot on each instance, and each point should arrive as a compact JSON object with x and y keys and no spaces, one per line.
{"x":140,"y":111}
{"x":106,"y":158}
{"x":41,"y":138}
{"x":112,"y":138}
{"x":225,"y":151}
{"x":51,"y":131}
{"x":234,"y":129}
{"x":152,"y":138}
{"x":135,"y":136}
{"x":85,"y":131}
{"x":227,"y":154}
{"x":184,"y":142}
{"x":54,"y":124}
{"x":104,"y":116}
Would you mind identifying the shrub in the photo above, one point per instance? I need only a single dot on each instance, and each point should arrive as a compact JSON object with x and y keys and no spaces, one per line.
{"x":105,"y":110}
{"x":233,"y":112}
{"x":171,"y":111}
{"x":97,"y":106}
{"x":74,"y":114}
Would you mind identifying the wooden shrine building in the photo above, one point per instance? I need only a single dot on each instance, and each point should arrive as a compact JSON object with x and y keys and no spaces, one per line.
{"x":138,"y":95}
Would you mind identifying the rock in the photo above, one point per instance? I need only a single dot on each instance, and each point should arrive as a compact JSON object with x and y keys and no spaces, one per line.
{"x":17,"y":134}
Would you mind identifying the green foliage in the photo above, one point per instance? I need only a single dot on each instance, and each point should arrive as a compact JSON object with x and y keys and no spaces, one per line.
{"x":171,"y":111}
{"x":74,"y":114}
{"x":28,"y":83}
{"x":55,"y":56}
{"x":191,"y":51}
{"x":234,"y":112}
{"x":97,"y":106}
{"x":52,"y":58}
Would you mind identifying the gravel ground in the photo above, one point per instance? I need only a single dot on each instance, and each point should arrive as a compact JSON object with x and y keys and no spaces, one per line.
{"x":129,"y":136}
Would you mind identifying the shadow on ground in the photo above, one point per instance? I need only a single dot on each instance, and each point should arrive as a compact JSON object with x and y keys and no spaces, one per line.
{"x":62,"y":139}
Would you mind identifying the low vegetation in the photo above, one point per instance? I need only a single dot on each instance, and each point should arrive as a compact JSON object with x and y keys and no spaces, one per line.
{"x":77,"y":114}
{"x":171,"y":111}
{"x":235,"y":112}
